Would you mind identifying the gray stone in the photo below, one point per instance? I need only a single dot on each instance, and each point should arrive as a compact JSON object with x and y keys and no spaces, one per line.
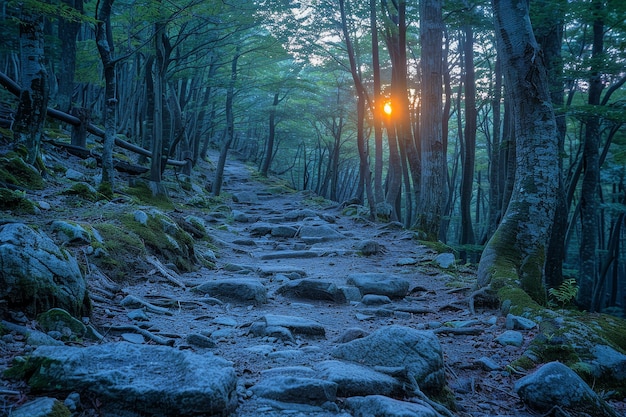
{"x":418,"y":352}
{"x":368,"y":247}
{"x":74,"y":233}
{"x":241,"y":217}
{"x":510,"y":337}
{"x":288,"y":254}
{"x":225,"y":321}
{"x":351,"y":293}
{"x":245,"y":197}
{"x":133,"y":338}
{"x":609,"y":363}
{"x":200,"y":340}
{"x":37,"y":275}
{"x":444,"y":260}
{"x":351,"y":334}
{"x":519,"y":323}
{"x":292,"y":389}
{"x":72,"y":174}
{"x":288,"y":270}
{"x":42,"y":407}
{"x":301,"y":214}
{"x":317,"y":234}
{"x":381,"y":406}
{"x":381,"y":284}
{"x":406,"y":261}
{"x":313,"y":290}
{"x":260,"y":229}
{"x":284,"y":231}
{"x":353,"y":379}
{"x":487,"y":364}
{"x":375,"y":300}
{"x":158,"y":380}
{"x":554,"y":384}
{"x":141,"y":217}
{"x":239,"y":289}
{"x":298,"y":325}
{"x":138,"y":314}
{"x":57,"y":319}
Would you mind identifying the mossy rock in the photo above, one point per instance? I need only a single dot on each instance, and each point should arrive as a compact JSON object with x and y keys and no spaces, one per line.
{"x":121,"y":252}
{"x":163,"y":237}
{"x":59,"y":320}
{"x":143,"y":194}
{"x":14,"y":171}
{"x":84,"y":191}
{"x":16,"y":201}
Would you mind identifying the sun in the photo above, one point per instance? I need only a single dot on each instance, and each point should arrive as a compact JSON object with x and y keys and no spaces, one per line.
{"x":387,"y":108}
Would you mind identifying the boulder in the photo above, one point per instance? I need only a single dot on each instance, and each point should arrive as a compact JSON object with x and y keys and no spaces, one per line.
{"x":380,"y":406}
{"x":239,"y":289}
{"x":313,"y":290}
{"x":317,"y":234}
{"x":353,"y":379}
{"x":36,"y":274}
{"x":292,"y":389}
{"x":417,"y":353}
{"x":554,"y":384}
{"x":160,"y":381}
{"x":42,"y":407}
{"x":379,"y":283}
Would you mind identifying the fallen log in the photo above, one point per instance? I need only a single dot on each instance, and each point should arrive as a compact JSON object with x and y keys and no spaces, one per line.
{"x":84,"y":153}
{"x":15,"y":89}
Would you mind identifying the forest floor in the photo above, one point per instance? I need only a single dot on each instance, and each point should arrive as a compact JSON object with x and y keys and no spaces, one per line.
{"x":437,"y":300}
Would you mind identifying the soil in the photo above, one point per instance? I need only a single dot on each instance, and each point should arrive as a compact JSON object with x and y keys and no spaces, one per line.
{"x":441,"y":294}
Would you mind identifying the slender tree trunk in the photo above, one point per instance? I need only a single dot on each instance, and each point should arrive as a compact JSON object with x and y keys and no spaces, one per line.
{"x":157,"y":132}
{"x":31,"y":110}
{"x":68,"y":30}
{"x":516,"y":251}
{"x":433,"y":153}
{"x":230,"y":126}
{"x":589,"y":203}
{"x":468,"y":154}
{"x":269,"y":151}
{"x":377,"y":110}
{"x":104,"y":40}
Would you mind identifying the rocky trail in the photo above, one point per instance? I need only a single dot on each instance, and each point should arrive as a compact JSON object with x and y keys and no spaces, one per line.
{"x":311,"y":310}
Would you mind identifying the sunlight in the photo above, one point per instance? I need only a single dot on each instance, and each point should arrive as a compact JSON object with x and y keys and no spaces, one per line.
{"x":387,"y":108}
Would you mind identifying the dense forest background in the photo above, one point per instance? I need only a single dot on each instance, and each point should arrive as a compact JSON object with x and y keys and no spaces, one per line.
{"x":399,"y":108}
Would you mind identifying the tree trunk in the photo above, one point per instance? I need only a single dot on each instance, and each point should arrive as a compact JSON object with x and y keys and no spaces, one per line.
{"x":31,"y":110}
{"x":377,"y":110}
{"x":589,"y":204}
{"x":68,"y":30}
{"x":468,"y":154}
{"x":433,"y":152}
{"x":516,"y":251}
{"x":230,"y":126}
{"x":269,"y":150}
{"x":104,"y":40}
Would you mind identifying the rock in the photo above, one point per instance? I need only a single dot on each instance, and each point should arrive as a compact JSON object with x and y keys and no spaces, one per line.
{"x":57,"y":319}
{"x":368,"y":247}
{"x":351,"y":334}
{"x":292,"y":389}
{"x":608,"y":363}
{"x":353,"y":379}
{"x":42,"y":407}
{"x":284,"y":231}
{"x":406,"y":261}
{"x":487,"y":364}
{"x":200,"y":340}
{"x":313,"y":290}
{"x":74,"y":233}
{"x":317,"y":234}
{"x":418,"y":352}
{"x":351,"y":293}
{"x":288,"y":254}
{"x":379,"y":283}
{"x":158,"y":380}
{"x":245,"y":197}
{"x":72,"y":174}
{"x":518,"y":323}
{"x":260,"y":229}
{"x":133,"y":338}
{"x":554,"y":384}
{"x":375,"y":300}
{"x":298,"y":325}
{"x":444,"y":260}
{"x":380,"y":406}
{"x":141,"y":217}
{"x":510,"y":337}
{"x":37,"y":275}
{"x":293,"y":272}
{"x":238,"y":289}
{"x":300,"y":214}
{"x":241,"y":217}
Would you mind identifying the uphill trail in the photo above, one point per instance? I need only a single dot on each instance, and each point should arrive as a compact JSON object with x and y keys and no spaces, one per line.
{"x":287,"y":290}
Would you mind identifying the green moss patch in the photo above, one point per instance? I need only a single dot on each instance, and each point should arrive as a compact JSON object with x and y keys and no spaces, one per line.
{"x":141,"y":191}
{"x":16,"y":201}
{"x":14,"y":171}
{"x":121,"y":251}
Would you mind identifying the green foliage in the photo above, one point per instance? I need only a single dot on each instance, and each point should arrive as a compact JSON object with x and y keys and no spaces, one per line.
{"x":16,"y":201}
{"x":142,"y":192}
{"x":565,"y":293}
{"x":13,"y":170}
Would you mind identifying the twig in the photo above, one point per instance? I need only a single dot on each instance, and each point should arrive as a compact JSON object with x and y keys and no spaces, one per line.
{"x":156,"y":339}
{"x":135,"y":302}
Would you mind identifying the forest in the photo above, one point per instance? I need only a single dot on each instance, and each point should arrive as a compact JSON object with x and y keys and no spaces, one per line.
{"x":457,"y":119}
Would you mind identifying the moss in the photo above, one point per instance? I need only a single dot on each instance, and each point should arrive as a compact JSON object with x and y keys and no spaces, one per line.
{"x":13,"y":170}
{"x":28,"y":369}
{"x":522,"y":363}
{"x":106,"y":189}
{"x":16,"y":201}
{"x":610,"y":328}
{"x":84,"y":191}
{"x":120,"y":251}
{"x":141,"y":191}
{"x":438,"y":246}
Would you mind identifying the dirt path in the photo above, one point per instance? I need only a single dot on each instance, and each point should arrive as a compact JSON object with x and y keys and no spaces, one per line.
{"x":436,"y":300}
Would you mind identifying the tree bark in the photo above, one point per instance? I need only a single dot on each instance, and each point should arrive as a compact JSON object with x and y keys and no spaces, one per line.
{"x":269,"y":150}
{"x":433,"y":153}
{"x":516,"y":251}
{"x":31,"y":110}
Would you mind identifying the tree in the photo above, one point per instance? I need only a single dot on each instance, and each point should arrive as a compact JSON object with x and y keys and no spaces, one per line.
{"x":516,"y":251}
{"x":31,"y":111}
{"x":433,"y":152}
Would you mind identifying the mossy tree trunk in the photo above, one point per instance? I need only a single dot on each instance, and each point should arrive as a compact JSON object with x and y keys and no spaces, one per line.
{"x":31,"y":111}
{"x":516,"y":251}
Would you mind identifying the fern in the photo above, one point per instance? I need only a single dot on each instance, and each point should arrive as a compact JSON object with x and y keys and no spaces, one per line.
{"x":565,"y":292}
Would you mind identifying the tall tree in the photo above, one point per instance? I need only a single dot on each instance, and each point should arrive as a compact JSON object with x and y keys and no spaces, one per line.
{"x":433,"y":152}
{"x":516,"y":251}
{"x":31,"y":111}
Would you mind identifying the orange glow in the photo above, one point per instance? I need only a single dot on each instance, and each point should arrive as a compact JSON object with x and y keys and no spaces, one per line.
{"x":387,"y":108}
